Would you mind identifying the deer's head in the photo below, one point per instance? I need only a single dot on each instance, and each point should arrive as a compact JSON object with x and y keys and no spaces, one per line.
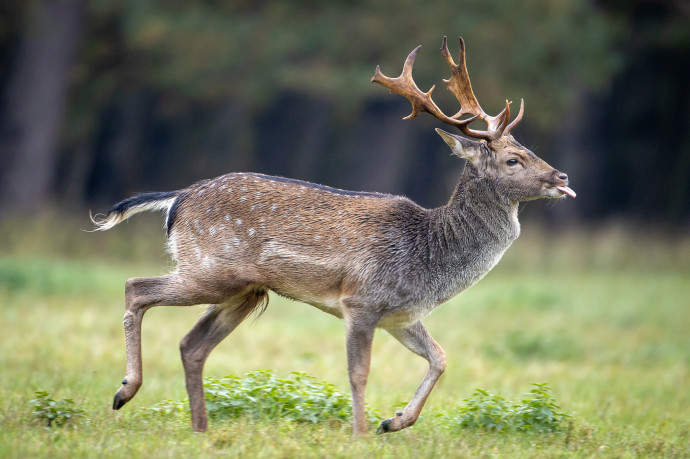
{"x":519,"y":174}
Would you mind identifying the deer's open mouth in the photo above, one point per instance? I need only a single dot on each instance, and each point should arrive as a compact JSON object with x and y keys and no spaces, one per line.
{"x":566,"y":190}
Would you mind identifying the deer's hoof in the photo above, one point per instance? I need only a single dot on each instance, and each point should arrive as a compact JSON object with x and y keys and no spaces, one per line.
{"x":118,"y":401}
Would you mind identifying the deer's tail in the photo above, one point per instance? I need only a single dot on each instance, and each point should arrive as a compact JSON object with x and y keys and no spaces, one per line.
{"x":144,"y":202}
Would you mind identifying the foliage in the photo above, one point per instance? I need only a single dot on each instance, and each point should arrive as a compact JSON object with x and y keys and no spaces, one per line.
{"x":260,"y":395}
{"x":207,"y":51}
{"x":52,"y":413}
{"x":486,"y":411}
{"x":536,"y":412}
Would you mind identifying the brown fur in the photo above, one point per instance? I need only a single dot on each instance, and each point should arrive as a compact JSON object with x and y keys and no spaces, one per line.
{"x":372,"y":259}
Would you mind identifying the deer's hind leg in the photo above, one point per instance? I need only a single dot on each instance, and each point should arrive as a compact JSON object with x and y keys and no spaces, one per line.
{"x":141,"y":294}
{"x":217,"y":323}
{"x":417,"y":339}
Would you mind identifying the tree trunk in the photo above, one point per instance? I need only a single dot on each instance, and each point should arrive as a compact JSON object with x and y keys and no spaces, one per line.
{"x":33,"y":104}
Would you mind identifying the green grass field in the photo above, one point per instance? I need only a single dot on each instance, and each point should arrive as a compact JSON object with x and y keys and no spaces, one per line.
{"x":602,"y":316}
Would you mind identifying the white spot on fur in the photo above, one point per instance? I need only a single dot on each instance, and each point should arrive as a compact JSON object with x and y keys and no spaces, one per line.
{"x":236,"y":242}
{"x":243,"y":198}
{"x":238,"y":221}
{"x":227,"y":218}
{"x":316,"y":238}
{"x":212,"y":230}
{"x":207,"y":262}
{"x":274,"y":206}
{"x":251,"y":231}
{"x":244,"y":188}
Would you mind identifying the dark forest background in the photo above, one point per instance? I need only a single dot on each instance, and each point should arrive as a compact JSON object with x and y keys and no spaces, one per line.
{"x":100,"y":99}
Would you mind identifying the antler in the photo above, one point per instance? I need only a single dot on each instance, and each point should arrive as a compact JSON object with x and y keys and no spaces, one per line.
{"x":459,"y":85}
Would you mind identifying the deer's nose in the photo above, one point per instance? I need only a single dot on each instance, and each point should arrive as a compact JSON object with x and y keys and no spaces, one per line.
{"x":563,"y":176}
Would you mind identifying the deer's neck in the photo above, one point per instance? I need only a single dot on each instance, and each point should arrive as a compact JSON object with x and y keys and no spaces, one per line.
{"x":477,"y":212}
{"x":471,"y":233}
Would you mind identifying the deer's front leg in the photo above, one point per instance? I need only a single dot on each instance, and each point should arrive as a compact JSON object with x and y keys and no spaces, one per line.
{"x":417,"y":339}
{"x":359,"y":329}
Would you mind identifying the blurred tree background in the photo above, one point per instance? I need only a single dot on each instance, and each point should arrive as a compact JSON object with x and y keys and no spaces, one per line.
{"x":100,"y":99}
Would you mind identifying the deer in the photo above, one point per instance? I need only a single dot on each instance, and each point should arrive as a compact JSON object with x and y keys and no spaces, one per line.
{"x":373,"y":260}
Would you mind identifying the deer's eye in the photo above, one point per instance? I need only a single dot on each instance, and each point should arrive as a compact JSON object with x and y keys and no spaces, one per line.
{"x":512,"y":162}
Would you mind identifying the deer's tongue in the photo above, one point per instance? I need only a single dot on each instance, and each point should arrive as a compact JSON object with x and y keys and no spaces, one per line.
{"x":566,"y":190}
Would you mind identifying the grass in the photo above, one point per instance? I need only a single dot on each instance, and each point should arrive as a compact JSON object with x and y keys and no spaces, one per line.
{"x":602,"y":316}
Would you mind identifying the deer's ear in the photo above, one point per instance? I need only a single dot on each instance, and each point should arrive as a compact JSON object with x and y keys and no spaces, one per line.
{"x":461,"y":146}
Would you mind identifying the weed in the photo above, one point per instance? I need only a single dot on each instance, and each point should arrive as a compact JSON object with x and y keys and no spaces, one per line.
{"x":51,"y":413}
{"x":536,"y":412}
{"x":486,"y":411}
{"x":262,"y":396}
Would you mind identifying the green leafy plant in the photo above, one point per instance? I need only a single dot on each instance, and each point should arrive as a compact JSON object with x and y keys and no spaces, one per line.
{"x":261,"y":395}
{"x":486,"y":411}
{"x":51,"y":413}
{"x":536,"y":412}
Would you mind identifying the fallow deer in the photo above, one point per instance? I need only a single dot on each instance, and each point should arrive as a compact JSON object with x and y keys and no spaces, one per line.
{"x":373,"y":260}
